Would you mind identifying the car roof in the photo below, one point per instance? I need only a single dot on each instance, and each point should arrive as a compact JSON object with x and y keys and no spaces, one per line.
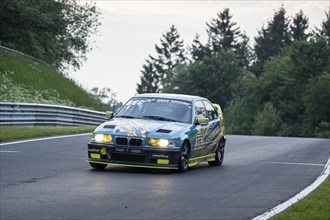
{"x":169,"y":96}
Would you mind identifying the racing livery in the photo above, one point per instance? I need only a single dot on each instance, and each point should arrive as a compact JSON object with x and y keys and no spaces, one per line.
{"x":160,"y":131}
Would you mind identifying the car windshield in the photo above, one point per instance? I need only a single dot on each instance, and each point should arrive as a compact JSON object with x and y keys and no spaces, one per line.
{"x":157,"y":109}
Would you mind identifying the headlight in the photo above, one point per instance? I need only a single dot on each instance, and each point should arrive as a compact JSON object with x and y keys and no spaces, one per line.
{"x":163,"y":143}
{"x":102,"y":138}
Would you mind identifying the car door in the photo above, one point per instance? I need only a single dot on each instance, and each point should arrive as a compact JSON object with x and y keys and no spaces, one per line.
{"x":212,"y":136}
{"x":200,"y":112}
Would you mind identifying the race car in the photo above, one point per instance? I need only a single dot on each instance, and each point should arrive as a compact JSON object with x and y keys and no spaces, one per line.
{"x":165,"y":131}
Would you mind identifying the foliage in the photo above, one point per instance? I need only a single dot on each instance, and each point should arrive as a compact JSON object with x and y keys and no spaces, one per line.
{"x":266,"y":121}
{"x":29,"y":81}
{"x":56,"y":32}
{"x":170,"y":53}
{"x":317,"y":107}
{"x":107,"y":96}
{"x":197,"y":49}
{"x":285,"y":84}
{"x":223,"y":34}
{"x":12,"y":133}
{"x":271,"y":40}
{"x":286,"y":90}
{"x":241,"y":111}
{"x":324,"y":31}
{"x":299,"y":27}
{"x":214,"y":77}
{"x":17,"y":92}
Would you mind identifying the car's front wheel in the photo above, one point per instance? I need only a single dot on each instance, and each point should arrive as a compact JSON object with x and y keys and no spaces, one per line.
{"x":98,"y":166}
{"x":184,"y":158}
{"x":219,"y":155}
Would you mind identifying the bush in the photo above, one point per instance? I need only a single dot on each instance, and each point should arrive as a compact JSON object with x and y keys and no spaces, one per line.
{"x":267,"y":121}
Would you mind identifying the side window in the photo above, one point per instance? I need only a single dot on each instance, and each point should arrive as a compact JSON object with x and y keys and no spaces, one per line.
{"x":200,"y":111}
{"x":212,"y":113}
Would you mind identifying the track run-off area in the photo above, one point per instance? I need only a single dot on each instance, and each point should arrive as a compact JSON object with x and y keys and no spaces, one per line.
{"x":48,"y":179}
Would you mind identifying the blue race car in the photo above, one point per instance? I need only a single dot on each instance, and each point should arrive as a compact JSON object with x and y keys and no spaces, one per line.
{"x":160,"y":131}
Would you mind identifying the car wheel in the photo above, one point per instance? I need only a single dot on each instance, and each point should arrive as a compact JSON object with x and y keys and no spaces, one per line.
{"x":98,"y":166}
{"x":219,"y":155}
{"x":184,"y":158}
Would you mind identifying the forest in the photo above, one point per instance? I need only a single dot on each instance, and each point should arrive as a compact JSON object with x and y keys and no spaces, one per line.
{"x":276,"y":85}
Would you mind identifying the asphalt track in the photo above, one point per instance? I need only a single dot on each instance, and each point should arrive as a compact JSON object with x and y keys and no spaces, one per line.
{"x":50,"y":180}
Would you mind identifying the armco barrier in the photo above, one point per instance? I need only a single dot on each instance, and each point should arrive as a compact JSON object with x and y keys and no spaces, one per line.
{"x":27,"y":114}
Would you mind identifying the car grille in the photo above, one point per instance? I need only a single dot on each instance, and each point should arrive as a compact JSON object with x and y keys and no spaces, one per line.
{"x":128,"y":158}
{"x":121,"y":141}
{"x":136,"y":142}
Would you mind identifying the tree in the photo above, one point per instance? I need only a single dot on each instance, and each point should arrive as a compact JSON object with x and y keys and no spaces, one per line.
{"x":267,"y":121}
{"x":271,"y":40}
{"x":215,"y":77}
{"x":55,"y":31}
{"x":242,"y":109}
{"x":149,"y":79}
{"x":107,"y":97}
{"x":197,"y":49}
{"x":222,"y":32}
{"x":299,"y":26}
{"x":286,"y":79}
{"x":170,"y":53}
{"x":317,"y":106}
{"x":325,"y":28}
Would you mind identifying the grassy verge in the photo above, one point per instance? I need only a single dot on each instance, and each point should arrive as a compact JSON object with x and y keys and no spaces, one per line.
{"x":314,"y":206}
{"x":19,"y":133}
{"x":37,"y":79}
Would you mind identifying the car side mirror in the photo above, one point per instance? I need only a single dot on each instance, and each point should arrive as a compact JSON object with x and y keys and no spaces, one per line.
{"x":202,"y":121}
{"x":108,"y":115}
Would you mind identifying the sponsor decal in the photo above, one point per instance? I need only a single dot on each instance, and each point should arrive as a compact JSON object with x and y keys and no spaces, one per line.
{"x":93,"y":150}
{"x":159,"y":156}
{"x":135,"y":128}
{"x":208,"y":136}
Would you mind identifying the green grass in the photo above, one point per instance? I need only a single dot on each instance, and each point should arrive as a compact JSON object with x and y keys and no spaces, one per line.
{"x":19,"y":133}
{"x":314,"y":206}
{"x":40,"y":77}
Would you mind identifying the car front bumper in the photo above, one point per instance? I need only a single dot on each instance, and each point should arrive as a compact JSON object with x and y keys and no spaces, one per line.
{"x":165,"y":158}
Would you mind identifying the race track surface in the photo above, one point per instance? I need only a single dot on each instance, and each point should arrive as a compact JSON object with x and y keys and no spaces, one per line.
{"x":50,"y":180}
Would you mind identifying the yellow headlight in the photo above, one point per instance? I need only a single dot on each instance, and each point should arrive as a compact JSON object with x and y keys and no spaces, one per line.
{"x":102,"y":138}
{"x":158,"y":142}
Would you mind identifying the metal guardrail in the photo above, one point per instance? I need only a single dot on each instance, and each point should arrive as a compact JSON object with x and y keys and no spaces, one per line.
{"x":26,"y":114}
{"x":23,"y":54}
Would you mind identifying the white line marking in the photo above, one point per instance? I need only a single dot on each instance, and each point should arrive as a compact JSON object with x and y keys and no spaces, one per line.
{"x":303,"y":164}
{"x":281,"y":207}
{"x":42,"y":139}
{"x":8,"y":151}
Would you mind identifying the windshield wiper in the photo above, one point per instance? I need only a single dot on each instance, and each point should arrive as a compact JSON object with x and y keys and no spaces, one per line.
{"x":158,"y":118}
{"x":125,"y":116}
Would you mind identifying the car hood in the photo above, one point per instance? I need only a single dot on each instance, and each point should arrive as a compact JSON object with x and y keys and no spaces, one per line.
{"x":141,"y":128}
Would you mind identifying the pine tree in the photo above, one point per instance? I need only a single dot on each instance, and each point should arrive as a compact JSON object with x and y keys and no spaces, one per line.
{"x":271,"y":40}
{"x":299,"y":26}
{"x":170,"y":53}
{"x":325,"y":27}
{"x":197,"y":49}
{"x":149,"y":79}
{"x":222,"y":32}
{"x":243,"y":51}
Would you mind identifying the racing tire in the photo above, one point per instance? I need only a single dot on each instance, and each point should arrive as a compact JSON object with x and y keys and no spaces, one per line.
{"x":219,"y":155}
{"x":184,"y":158}
{"x":98,"y":166}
